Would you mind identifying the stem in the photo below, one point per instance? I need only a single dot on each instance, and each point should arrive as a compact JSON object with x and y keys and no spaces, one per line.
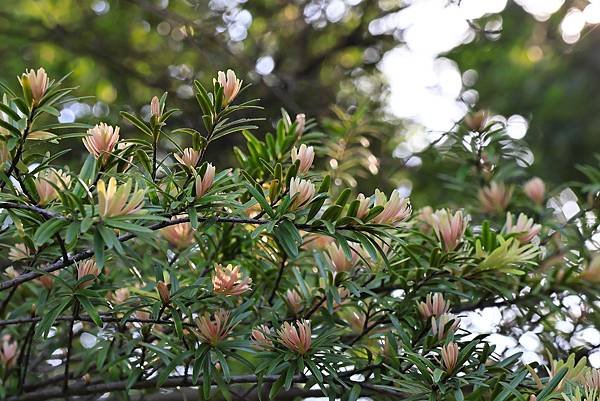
{"x":22,"y":355}
{"x":145,"y":339}
{"x":6,"y":301}
{"x":29,"y":343}
{"x":70,"y":345}
{"x":20,"y":149}
{"x":178,"y":381}
{"x":39,"y":210}
{"x":103,"y":318}
{"x":278,"y":281}
{"x":315,"y":308}
{"x":154,"y":150}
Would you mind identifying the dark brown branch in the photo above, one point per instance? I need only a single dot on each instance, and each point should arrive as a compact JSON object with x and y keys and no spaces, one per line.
{"x":103,"y":318}
{"x":39,"y":210}
{"x":278,"y":280}
{"x":494,"y":303}
{"x":19,"y":153}
{"x":70,"y":345}
{"x":179,"y":381}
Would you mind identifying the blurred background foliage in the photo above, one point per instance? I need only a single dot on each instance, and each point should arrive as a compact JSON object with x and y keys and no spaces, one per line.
{"x":400,"y":73}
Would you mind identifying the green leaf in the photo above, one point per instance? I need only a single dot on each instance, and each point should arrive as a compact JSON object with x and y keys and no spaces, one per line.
{"x":142,"y":126}
{"x":332,"y":213}
{"x":99,"y":249}
{"x":9,"y":112}
{"x":47,"y":230}
{"x":511,"y":387}
{"x":260,"y":198}
{"x":276,"y":387}
{"x":193,"y":215}
{"x":546,"y":393}
{"x":49,"y":318}
{"x":11,"y":128}
{"x":354,"y":393}
{"x":222,"y":386}
{"x":130,"y":227}
{"x":90,"y":310}
{"x":289,"y":238}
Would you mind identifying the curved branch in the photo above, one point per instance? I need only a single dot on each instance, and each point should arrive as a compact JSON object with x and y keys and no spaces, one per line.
{"x":172,"y":382}
{"x":64,"y":262}
{"x":39,"y":210}
{"x":84,"y":318}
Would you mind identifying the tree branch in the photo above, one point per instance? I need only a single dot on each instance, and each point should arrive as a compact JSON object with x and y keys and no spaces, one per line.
{"x":104,"y":318}
{"x":176,"y":381}
{"x":62,"y":263}
{"x":39,"y":210}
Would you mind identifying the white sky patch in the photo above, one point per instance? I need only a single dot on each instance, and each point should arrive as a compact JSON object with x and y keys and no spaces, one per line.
{"x":427,"y":89}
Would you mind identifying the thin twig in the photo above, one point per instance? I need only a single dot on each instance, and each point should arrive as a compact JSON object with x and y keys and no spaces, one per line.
{"x":20,"y":149}
{"x":70,"y":346}
{"x":39,"y":210}
{"x":84,"y":318}
{"x":278,"y":280}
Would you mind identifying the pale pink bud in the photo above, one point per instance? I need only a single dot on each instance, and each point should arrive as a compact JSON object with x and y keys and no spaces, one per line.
{"x":294,"y":300}
{"x":189,"y":157}
{"x":300,"y":124}
{"x":101,"y":140}
{"x":36,"y":82}
{"x":261,"y":337}
{"x":395,"y":210}
{"x":524,"y":227}
{"x":426,"y":217}
{"x":592,"y":271}
{"x":8,"y":351}
{"x":438,"y":325}
{"x":204,"y":183}
{"x":450,"y":356}
{"x":306,"y":155}
{"x":112,"y":201}
{"x":301,"y":191}
{"x":163,"y":292}
{"x":315,"y":241}
{"x":120,"y":295}
{"x":122,"y":146}
{"x":231,"y":86}
{"x":343,"y":293}
{"x":46,"y":183}
{"x":19,"y":252}
{"x":434,"y":305}
{"x":179,"y":235}
{"x":214,"y":329}
{"x":356,"y":320}
{"x":229,"y":281}
{"x":47,"y":280}
{"x":87,"y":268}
{"x":155,"y":107}
{"x":142,"y":315}
{"x":296,"y":337}
{"x":338,"y":258}
{"x":495,"y":198}
{"x":363,"y":206}
{"x":477,"y":121}
{"x":449,"y":228}
{"x":591,"y":380}
{"x":535,"y":189}
{"x":4,"y":153}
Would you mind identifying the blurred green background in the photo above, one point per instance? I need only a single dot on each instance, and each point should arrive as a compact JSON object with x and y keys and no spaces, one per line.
{"x":411,"y":68}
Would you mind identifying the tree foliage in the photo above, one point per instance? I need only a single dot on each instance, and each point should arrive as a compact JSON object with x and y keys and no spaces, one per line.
{"x":133,"y":272}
